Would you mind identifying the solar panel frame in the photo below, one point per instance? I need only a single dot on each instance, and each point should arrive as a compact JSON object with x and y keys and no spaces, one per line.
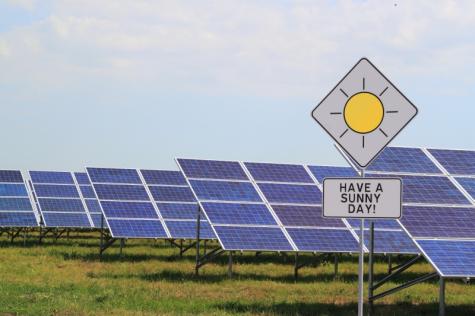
{"x":79,"y":178}
{"x":71,"y":218}
{"x":12,"y":216}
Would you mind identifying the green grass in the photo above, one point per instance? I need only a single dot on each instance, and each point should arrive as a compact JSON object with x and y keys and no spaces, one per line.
{"x":67,"y":278}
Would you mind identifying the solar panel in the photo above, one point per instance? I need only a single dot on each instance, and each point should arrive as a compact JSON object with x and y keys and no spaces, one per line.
{"x":391,"y":241}
{"x":456,"y":162}
{"x":468,"y":184}
{"x":16,"y":208}
{"x":59,"y":200}
{"x":229,"y":200}
{"x":323,"y":240}
{"x":322,"y":172}
{"x":405,"y":160}
{"x":439,"y":222}
{"x":177,"y":204}
{"x":89,"y":197}
{"x":429,"y":190}
{"x":278,"y":172}
{"x":291,"y":193}
{"x":452,"y":258}
{"x":126,"y":204}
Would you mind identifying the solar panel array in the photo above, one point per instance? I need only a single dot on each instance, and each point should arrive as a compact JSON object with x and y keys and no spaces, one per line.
{"x":59,"y":200}
{"x":16,"y":207}
{"x":439,"y":213}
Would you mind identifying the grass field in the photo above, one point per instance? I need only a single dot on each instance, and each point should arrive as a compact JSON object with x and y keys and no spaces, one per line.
{"x":66,"y":277}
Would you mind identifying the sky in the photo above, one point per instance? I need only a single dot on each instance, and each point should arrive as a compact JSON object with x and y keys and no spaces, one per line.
{"x":138,"y":83}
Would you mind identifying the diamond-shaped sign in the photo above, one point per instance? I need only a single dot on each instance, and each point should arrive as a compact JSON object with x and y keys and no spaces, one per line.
{"x":364,"y":112}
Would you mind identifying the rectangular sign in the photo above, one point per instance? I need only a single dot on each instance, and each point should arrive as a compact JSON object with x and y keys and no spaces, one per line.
{"x":362,"y":197}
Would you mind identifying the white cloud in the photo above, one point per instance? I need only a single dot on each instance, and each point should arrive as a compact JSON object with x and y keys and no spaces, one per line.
{"x":244,"y":47}
{"x":25,"y":4}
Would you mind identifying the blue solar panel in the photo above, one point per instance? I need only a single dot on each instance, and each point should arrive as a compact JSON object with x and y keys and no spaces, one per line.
{"x":112,"y":175}
{"x":87,"y":192}
{"x":172,"y":194}
{"x":294,"y":215}
{"x":66,"y":219}
{"x":398,"y":159}
{"x":126,"y":228}
{"x":15,"y":204}
{"x":57,"y":177}
{"x":187,"y":229}
{"x":323,"y":240}
{"x":128,"y":209}
{"x":212,"y":169}
{"x":291,"y":193}
{"x":163,"y":177}
{"x":278,"y":172}
{"x":452,"y":258}
{"x":17,"y":219}
{"x":11,"y":176}
{"x":234,"y":213}
{"x":439,"y":222}
{"x":252,"y":238}
{"x":121,"y":192}
{"x":429,"y":190}
{"x":225,"y":191}
{"x":82,"y":178}
{"x":388,"y":241}
{"x":322,"y":172}
{"x":52,"y":190}
{"x":178,"y":210}
{"x":468,"y":184}
{"x":61,"y":205}
{"x":12,"y":189}
{"x":456,"y":162}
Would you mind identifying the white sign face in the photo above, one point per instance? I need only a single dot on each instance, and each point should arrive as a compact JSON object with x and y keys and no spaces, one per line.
{"x":364,"y":112}
{"x":362,"y":197}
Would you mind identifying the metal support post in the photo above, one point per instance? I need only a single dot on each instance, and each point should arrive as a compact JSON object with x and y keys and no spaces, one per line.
{"x":102,"y":236}
{"x":296,"y":266}
{"x":122,"y":243}
{"x":198,"y":222}
{"x":181,"y":248}
{"x":336,"y":264}
{"x":390,"y":264}
{"x":442,"y":296}
{"x":361,"y":263}
{"x":230,"y":265}
{"x":371,"y":270}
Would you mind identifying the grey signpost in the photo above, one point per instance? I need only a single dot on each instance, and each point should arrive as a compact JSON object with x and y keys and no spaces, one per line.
{"x":362,"y":114}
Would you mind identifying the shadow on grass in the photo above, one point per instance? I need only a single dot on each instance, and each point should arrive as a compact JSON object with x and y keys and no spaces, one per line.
{"x":303,"y":309}
{"x":182,"y":276}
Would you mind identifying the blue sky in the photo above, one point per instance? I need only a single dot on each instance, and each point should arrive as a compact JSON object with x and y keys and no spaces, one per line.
{"x":137,"y":83}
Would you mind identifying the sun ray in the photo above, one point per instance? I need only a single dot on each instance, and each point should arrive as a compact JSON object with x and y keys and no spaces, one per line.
{"x":363,"y":141}
{"x":382,"y":92}
{"x":343,"y":134}
{"x":364,"y":84}
{"x":392,"y":112}
{"x":342,"y":91}
{"x":336,"y":113}
{"x":383,"y":132}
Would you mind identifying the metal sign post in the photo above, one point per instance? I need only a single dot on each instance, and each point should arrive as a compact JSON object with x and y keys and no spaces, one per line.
{"x":362,"y":114}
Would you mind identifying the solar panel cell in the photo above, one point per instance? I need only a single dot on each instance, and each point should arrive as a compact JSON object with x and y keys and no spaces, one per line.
{"x":452,"y":258}
{"x":11,"y":176}
{"x":115,"y":209}
{"x":66,"y":219}
{"x":456,"y":162}
{"x":294,"y":215}
{"x":93,"y":206}
{"x":58,"y":177}
{"x":163,"y":177}
{"x":172,"y":194}
{"x":291,"y":193}
{"x":113,"y":175}
{"x":212,"y":169}
{"x":378,"y":223}
{"x":322,"y":172}
{"x":278,"y":172}
{"x":234,"y":213}
{"x":468,"y":184}
{"x":12,"y":189}
{"x":225,"y":191}
{"x":399,"y":159}
{"x":82,"y":178}
{"x":87,"y":192}
{"x":121,"y":192}
{"x":439,"y":222}
{"x":178,"y":210}
{"x":253,"y":238}
{"x":96,"y":220}
{"x":17,"y":219}
{"x":125,"y":228}
{"x":61,"y":205}
{"x":52,"y":190}
{"x":15,"y":204}
{"x":387,"y":241}
{"x":187,"y":229}
{"x":323,"y":240}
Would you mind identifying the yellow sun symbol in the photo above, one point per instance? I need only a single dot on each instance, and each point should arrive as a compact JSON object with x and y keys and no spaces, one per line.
{"x":363,"y":112}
